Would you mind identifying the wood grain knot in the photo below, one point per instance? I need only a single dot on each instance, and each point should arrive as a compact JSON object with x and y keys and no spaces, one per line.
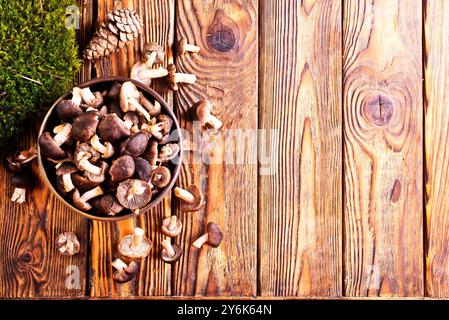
{"x":223,"y":33}
{"x":26,"y":257}
{"x":379,"y":110}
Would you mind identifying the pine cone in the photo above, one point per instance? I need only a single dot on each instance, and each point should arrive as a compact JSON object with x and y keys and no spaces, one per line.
{"x":122,"y":26}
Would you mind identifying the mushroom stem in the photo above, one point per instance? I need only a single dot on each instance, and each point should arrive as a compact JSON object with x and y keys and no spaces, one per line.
{"x":184,"y":195}
{"x":201,"y":240}
{"x":191,"y":48}
{"x":153,"y":73}
{"x":166,"y":245}
{"x":137,"y":238}
{"x":95,"y":192}
{"x":76,"y":96}
{"x":141,"y":110}
{"x":106,"y":150}
{"x":68,"y":184}
{"x":118,"y":264}
{"x":214,"y":122}
{"x":185,"y":77}
{"x":173,"y":223}
{"x":89,"y":167}
{"x":19,"y":195}
{"x":151,"y":58}
{"x":63,"y":133}
{"x":88,"y":96}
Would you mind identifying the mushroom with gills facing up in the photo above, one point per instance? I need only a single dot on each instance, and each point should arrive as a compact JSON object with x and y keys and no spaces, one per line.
{"x":184,"y":47}
{"x":67,"y":244}
{"x":64,"y":176}
{"x":192,"y":197}
{"x":141,"y":72}
{"x":170,"y":253}
{"x":213,"y":237}
{"x":168,"y":152}
{"x":175,"y":77}
{"x":133,"y":194}
{"x":81,"y":202}
{"x":203,"y":110}
{"x":21,"y":181}
{"x":135,"y":245}
{"x":122,"y":168}
{"x":171,"y":227}
{"x":112,"y":129}
{"x":130,"y":100}
{"x":85,"y":126}
{"x":160,"y":177}
{"x":124,"y":273}
{"x":69,"y":109}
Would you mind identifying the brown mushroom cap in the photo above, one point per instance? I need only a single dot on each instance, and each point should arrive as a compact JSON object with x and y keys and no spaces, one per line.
{"x":85,"y":126}
{"x":108,"y":205}
{"x":122,"y":168}
{"x":67,"y":110}
{"x":171,"y":229}
{"x":143,"y":169}
{"x":98,"y":178}
{"x":111,"y":128}
{"x":215,"y":236}
{"x":167,"y":123}
{"x":82,"y":183}
{"x":133,"y":193}
{"x":14,"y":162}
{"x":152,"y":152}
{"x":49,"y":147}
{"x":114,"y":107}
{"x":135,"y":145}
{"x":22,"y":179}
{"x":126,"y":249}
{"x":132,"y":116}
{"x":160,"y":177}
{"x":198,"y":196}
{"x":67,"y":244}
{"x":126,"y":274}
{"x":176,"y":257}
{"x":65,"y":168}
{"x":85,"y":150}
{"x":114,"y":91}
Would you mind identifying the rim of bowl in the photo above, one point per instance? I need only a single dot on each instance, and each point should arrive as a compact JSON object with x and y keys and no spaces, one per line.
{"x":154,"y":201}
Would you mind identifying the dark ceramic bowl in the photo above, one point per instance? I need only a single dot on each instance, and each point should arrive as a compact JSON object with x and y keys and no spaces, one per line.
{"x":51,"y":120}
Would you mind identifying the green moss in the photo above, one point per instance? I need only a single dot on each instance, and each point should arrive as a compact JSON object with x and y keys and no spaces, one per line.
{"x":34,"y":43}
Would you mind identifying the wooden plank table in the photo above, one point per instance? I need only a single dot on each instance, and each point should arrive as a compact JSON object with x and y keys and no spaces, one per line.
{"x":329,"y":178}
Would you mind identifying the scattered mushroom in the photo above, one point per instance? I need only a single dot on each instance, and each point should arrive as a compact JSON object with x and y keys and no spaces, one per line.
{"x":16,"y":161}
{"x":203,"y":112}
{"x":49,"y":147}
{"x":213,"y":237}
{"x":175,"y":77}
{"x":21,"y":181}
{"x":171,"y":227}
{"x":106,"y":149}
{"x":192,"y":198}
{"x":170,"y":253}
{"x":133,"y":193}
{"x":67,"y":244}
{"x":122,"y":168}
{"x":135,"y":245}
{"x":81,"y":202}
{"x":184,"y":47}
{"x":129,"y":99}
{"x":160,"y":177}
{"x":64,"y":176}
{"x":124,"y":273}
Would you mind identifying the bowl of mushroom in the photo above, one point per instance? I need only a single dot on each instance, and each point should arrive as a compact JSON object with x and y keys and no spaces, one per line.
{"x":110,"y":149}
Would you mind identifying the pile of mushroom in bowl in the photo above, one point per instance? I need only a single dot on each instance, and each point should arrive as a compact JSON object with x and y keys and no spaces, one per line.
{"x":110,"y":149}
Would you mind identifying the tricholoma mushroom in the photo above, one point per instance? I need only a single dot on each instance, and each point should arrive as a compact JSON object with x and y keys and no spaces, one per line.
{"x":171,"y":227}
{"x":124,"y":272}
{"x":135,"y":245}
{"x":213,"y":237}
{"x":133,"y":194}
{"x":192,"y":197}
{"x":67,"y":244}
{"x":170,"y":253}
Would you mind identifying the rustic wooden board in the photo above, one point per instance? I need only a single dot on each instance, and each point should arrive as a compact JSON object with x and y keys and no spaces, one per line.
{"x":154,"y":276}
{"x":436,"y":18}
{"x":226,"y":68}
{"x":382,"y":99}
{"x":300,"y":199}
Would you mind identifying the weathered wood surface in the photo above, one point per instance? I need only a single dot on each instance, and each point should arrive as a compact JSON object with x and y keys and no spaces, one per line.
{"x":383,"y":149}
{"x":436,"y":18}
{"x":226,"y":68}
{"x":336,"y":206}
{"x":300,"y":100}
